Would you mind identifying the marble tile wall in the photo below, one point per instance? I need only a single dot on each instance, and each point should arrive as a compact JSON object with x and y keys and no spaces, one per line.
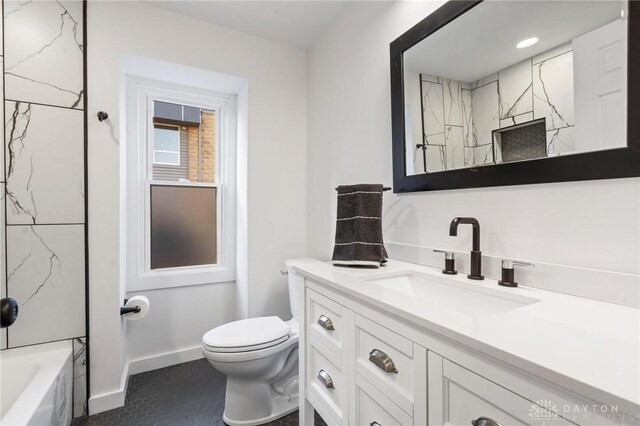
{"x":459,"y":117}
{"x":3,"y":282}
{"x":446,"y":109}
{"x":80,"y":407}
{"x":43,"y":230}
{"x":538,"y":87}
{"x":553,"y":98}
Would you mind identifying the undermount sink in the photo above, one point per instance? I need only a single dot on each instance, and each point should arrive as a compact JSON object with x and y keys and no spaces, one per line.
{"x":446,"y":293}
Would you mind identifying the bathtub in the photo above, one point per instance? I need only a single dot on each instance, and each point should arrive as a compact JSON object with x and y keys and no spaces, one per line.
{"x":35,"y":385}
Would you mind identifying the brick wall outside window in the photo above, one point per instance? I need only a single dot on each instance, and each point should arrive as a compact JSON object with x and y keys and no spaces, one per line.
{"x":202,"y":156}
{"x":207,"y":147}
{"x":193,"y":153}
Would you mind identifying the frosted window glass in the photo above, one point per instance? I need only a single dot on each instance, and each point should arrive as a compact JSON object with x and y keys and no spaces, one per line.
{"x":183,"y":226}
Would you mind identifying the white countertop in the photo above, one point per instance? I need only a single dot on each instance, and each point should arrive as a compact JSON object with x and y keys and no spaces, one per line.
{"x":583,"y":345}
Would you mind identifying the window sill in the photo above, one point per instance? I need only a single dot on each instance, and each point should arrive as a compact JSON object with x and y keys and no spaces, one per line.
{"x":180,"y":277}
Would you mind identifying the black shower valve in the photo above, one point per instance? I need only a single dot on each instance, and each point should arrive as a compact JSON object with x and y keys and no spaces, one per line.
{"x":8,"y":311}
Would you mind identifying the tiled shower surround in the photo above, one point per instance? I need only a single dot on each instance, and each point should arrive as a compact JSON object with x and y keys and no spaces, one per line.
{"x":459,"y":117}
{"x":43,"y":208}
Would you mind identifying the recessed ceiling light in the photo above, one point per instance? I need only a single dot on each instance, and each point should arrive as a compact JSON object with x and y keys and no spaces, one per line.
{"x":527,"y":42}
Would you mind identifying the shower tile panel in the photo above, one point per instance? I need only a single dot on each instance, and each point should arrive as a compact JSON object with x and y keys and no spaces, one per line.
{"x":436,"y":139}
{"x":484,"y":81}
{"x":430,"y":78}
{"x":1,"y":37}
{"x":45,"y":274}
{"x":467,"y":117}
{"x":44,"y":61}
{"x":561,"y":141}
{"x":468,"y":156}
{"x":436,"y":158}
{"x":45,"y":164}
{"x":483,"y":154}
{"x":557,"y":51}
{"x":515,"y":89}
{"x":3,"y":270}
{"x":452,"y":102}
{"x":1,"y":114}
{"x":432,"y":108}
{"x":485,"y":113}
{"x":553,"y":91}
{"x":80,"y":377}
{"x":516,"y":119}
{"x":454,"y":147}
{"x":418,"y":161}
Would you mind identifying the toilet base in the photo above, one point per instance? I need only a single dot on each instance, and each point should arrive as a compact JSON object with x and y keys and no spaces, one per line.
{"x":281,"y":407}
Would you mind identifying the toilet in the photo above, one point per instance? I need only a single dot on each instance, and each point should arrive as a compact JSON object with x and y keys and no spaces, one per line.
{"x":259,"y":356}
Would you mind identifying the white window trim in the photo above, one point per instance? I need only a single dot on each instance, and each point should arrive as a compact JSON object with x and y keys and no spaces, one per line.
{"x":168,"y":152}
{"x":140,"y":94}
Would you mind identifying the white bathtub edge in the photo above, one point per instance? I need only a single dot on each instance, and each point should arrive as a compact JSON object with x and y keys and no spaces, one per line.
{"x":60,"y":355}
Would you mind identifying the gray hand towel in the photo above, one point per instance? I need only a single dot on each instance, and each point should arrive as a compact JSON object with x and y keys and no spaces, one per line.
{"x":359,"y":226}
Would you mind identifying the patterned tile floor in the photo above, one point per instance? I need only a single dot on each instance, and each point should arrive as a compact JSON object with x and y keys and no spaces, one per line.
{"x":189,"y":394}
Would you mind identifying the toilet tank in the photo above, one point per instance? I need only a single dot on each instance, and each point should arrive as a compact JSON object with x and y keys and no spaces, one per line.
{"x":296,"y":292}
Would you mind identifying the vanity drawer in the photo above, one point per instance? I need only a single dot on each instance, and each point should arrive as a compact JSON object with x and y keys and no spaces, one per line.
{"x":324,"y":320}
{"x":326,"y":382}
{"x":387,"y":361}
{"x":374,"y":409}
{"x":457,"y":395}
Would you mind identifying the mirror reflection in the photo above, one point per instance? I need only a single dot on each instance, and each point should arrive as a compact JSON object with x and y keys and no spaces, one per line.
{"x":513,"y":81}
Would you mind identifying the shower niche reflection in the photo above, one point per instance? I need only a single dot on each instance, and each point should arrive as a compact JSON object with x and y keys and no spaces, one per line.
{"x":525,"y":141}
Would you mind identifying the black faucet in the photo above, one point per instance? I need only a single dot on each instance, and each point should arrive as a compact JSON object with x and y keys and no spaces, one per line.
{"x":476,"y":254}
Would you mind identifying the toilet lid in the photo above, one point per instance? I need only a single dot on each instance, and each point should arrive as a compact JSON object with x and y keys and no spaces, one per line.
{"x":247,"y":334}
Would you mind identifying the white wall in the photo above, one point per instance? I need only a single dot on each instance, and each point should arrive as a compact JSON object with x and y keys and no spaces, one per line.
{"x":275,"y":210}
{"x":172,"y":331}
{"x":593,"y":224}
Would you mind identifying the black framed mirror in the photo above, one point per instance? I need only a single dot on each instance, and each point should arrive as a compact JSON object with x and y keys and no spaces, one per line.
{"x":492,"y":93}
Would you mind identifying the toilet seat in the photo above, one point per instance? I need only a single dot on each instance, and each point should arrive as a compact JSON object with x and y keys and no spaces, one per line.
{"x":247,"y":335}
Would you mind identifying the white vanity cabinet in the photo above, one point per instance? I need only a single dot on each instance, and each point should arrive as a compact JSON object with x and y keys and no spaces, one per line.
{"x":457,"y":395}
{"x":364,"y":366}
{"x":358,"y":371}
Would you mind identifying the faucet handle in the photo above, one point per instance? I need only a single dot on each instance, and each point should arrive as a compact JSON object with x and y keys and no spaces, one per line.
{"x":449,"y":262}
{"x":508,"y":274}
{"x":447,"y":254}
{"x":510,"y":263}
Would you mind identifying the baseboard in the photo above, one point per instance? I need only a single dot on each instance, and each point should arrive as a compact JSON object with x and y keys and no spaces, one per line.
{"x":110,"y":400}
{"x":115,"y":399}
{"x":166,"y":359}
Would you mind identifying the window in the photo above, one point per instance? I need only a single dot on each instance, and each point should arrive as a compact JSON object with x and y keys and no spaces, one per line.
{"x":166,"y":145}
{"x":183,"y":217}
{"x":184,"y":193}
